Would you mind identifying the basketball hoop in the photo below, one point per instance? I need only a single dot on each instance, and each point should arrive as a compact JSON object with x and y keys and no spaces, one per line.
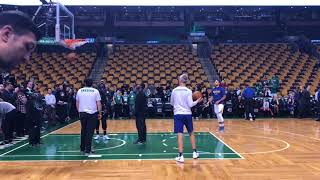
{"x":73,"y":43}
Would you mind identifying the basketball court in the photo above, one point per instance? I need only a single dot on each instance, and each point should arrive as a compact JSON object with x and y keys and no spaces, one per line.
{"x":280,"y":148}
{"x":285,"y":148}
{"x":160,"y":146}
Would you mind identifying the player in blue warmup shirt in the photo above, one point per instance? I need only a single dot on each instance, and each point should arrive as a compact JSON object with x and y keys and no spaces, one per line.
{"x":218,"y":95}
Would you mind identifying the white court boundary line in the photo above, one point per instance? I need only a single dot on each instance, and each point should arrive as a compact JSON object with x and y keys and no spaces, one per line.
{"x":226,"y":145}
{"x":147,"y":154}
{"x":96,"y":160}
{"x":288,"y":132}
{"x":40,"y":138}
{"x":266,"y":137}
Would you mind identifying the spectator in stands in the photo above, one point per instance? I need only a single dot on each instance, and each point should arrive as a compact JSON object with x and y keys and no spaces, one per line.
{"x":125,"y":105}
{"x":51,"y":107}
{"x":71,"y":103}
{"x":297,"y":98}
{"x":18,"y":37}
{"x":146,"y":90}
{"x":118,"y":102}
{"x":304,"y":104}
{"x":152,"y":89}
{"x":266,"y":92}
{"x":160,"y":94}
{"x":266,"y":107}
{"x":275,"y":105}
{"x":8,"y":95}
{"x":265,"y":82}
{"x":248,"y":95}
{"x":259,"y":89}
{"x":291,"y":103}
{"x":62,"y":103}
{"x":275,"y":84}
{"x":21,"y":102}
{"x":74,"y":112}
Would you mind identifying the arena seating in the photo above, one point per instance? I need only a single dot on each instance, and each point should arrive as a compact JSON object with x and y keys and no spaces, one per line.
{"x":50,"y":69}
{"x":152,"y":64}
{"x":248,"y":63}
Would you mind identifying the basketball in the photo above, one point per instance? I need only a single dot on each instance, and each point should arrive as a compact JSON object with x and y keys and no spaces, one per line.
{"x":196,"y":95}
{"x":71,"y":56}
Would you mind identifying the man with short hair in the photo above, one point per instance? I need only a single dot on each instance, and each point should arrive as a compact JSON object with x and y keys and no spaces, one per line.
{"x":140,"y":111}
{"x":88,"y":103}
{"x":18,"y":36}
{"x":182,"y":102}
{"x":304,"y":103}
{"x":51,"y":107}
{"x":103,"y":93}
{"x":248,"y":95}
{"x":7,"y":94}
{"x":218,"y":96}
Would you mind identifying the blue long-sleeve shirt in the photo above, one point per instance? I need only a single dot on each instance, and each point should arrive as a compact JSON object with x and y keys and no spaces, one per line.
{"x":248,"y":93}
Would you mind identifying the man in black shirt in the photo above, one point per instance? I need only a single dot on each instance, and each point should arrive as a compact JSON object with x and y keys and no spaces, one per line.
{"x":304,"y":103}
{"x":7,"y":94}
{"x":140,"y":108}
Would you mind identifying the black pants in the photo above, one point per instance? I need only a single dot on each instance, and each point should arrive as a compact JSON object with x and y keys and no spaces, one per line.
{"x":141,"y":127}
{"x":117,"y":111}
{"x":249,"y":108}
{"x":88,"y":124}
{"x":34,"y":119}
{"x":51,"y":113}
{"x":20,"y":122}
{"x":7,"y":126}
{"x":62,"y":112}
{"x":303,"y":110}
{"x":103,"y":123}
{"x":126,"y":111}
{"x":109,"y":110}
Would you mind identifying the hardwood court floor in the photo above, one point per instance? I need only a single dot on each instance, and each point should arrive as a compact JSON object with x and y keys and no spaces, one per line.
{"x":272,"y":148}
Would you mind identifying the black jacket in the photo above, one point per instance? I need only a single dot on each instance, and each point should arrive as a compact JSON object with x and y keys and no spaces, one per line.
{"x":141,"y":103}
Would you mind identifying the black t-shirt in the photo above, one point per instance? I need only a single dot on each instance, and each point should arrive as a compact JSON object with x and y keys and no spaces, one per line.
{"x":141,"y":103}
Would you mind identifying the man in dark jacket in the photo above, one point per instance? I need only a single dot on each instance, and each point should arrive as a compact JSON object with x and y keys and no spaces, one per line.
{"x":248,"y":95}
{"x":140,"y":108}
{"x":304,"y":103}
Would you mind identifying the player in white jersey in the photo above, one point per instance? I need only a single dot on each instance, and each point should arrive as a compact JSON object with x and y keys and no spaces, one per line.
{"x":88,"y":105}
{"x":181,"y":100}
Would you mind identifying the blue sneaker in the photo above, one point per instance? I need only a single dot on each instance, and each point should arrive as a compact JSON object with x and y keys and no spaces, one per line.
{"x":221,"y":129}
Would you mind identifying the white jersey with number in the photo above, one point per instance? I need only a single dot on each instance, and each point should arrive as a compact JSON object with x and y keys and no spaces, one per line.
{"x":87,"y":98}
{"x":181,"y":100}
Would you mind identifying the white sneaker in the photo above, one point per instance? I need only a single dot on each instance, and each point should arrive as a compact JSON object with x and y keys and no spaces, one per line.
{"x":195,"y":155}
{"x":96,"y":137}
{"x":180,"y":159}
{"x":106,"y":137}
